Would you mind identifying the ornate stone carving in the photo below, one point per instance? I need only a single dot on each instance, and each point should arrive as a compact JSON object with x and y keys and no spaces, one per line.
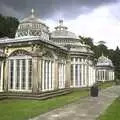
{"x":20,"y":53}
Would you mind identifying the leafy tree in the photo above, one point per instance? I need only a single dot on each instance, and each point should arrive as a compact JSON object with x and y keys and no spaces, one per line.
{"x":100,"y":49}
{"x":114,"y":55}
{"x":87,"y":40}
{"x":8,"y":26}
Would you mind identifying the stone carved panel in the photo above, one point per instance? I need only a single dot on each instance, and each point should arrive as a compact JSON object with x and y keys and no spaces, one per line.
{"x":20,"y":53}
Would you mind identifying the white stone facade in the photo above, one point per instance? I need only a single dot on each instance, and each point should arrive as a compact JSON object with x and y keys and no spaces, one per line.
{"x":104,"y":69}
{"x":37,"y":60}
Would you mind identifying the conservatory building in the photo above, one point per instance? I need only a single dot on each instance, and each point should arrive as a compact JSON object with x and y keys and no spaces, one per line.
{"x":104,"y":69}
{"x":39,"y":60}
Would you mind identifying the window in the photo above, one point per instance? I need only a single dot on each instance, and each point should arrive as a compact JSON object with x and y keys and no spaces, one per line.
{"x":23,"y":74}
{"x":11,"y":74}
{"x":18,"y":74}
{"x":72,"y":59}
{"x":80,"y":73}
{"x":76,"y":59}
{"x":61,"y":75}
{"x":47,"y":75}
{"x":84,"y":74}
{"x":76,"y":75}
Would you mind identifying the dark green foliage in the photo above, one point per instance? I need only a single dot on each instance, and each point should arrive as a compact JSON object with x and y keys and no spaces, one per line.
{"x":100,"y":49}
{"x":8,"y":26}
{"x":87,"y":40}
{"x":115,"y":57}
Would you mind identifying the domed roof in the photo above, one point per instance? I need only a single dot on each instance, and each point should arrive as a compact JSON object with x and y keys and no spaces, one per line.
{"x":104,"y":61}
{"x":32,"y":26}
{"x":32,"y":18}
{"x":62,"y":32}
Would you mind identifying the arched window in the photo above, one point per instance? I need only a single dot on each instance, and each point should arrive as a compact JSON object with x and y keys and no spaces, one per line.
{"x":47,"y":71}
{"x":20,"y":71}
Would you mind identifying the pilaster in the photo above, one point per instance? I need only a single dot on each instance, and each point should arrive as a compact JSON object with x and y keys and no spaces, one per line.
{"x":36,"y":74}
{"x":5,"y":75}
{"x":56,"y":74}
{"x":68,"y":73}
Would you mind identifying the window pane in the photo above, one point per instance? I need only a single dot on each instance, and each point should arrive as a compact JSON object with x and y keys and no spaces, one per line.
{"x":23,"y":74}
{"x":11,"y":74}
{"x":18,"y":74}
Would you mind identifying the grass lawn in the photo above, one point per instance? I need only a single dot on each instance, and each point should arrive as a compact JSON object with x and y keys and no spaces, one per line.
{"x":113,"y":112}
{"x":25,"y":109}
{"x":103,"y":85}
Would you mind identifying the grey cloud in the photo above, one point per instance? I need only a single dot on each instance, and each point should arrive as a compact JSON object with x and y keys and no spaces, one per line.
{"x":48,"y":8}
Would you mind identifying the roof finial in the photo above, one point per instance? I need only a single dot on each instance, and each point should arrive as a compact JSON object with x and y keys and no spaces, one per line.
{"x":32,"y":12}
{"x":61,"y":22}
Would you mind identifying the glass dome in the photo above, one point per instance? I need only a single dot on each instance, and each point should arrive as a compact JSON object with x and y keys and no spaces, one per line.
{"x":104,"y":61}
{"x":32,"y":26}
{"x":61,"y":31}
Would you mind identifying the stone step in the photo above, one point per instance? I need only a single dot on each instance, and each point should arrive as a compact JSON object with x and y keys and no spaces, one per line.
{"x":40,"y":96}
{"x":3,"y":97}
{"x":29,"y":93}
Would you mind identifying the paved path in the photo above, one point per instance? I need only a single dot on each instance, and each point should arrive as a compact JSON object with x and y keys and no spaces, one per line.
{"x":88,"y":108}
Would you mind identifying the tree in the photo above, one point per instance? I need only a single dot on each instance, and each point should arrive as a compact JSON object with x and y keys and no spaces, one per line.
{"x":100,"y":49}
{"x":8,"y":26}
{"x":115,"y":57}
{"x":87,"y":40}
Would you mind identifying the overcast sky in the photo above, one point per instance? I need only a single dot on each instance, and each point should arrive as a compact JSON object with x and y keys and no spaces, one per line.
{"x":98,"y":19}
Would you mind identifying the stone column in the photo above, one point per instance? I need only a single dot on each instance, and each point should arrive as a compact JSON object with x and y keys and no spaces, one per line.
{"x":109,"y":75}
{"x":64,"y":74}
{"x":89,"y":78}
{"x":68,"y":73}
{"x":35,"y":74}
{"x":39,"y":74}
{"x":104,"y":75}
{"x":14,"y":77}
{"x":43,"y":65}
{"x":5,"y":75}
{"x":56,"y":74}
{"x":98,"y":75}
{"x":27,"y":74}
{"x":78,"y":70}
{"x":46,"y":77}
{"x":50,"y":75}
{"x":53,"y":75}
{"x":74,"y":77}
{"x":85,"y":75}
{"x":82,"y":78}
{"x":20,"y":74}
{"x":1,"y":84}
{"x":113,"y":75}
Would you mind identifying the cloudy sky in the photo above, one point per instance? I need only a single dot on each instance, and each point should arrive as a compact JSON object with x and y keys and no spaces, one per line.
{"x":98,"y":19}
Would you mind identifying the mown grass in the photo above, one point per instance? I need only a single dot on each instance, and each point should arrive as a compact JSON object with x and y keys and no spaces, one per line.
{"x":103,"y":85}
{"x":113,"y":111}
{"x":24,"y":109}
{"x":13,"y":109}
